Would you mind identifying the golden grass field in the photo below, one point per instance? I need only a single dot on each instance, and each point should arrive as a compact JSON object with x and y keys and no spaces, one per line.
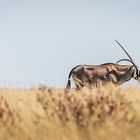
{"x":50,"y":114}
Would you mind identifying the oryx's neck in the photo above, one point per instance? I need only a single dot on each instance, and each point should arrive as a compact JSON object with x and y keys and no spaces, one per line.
{"x":128,"y":74}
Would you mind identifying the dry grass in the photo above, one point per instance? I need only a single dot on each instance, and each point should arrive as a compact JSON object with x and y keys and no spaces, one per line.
{"x":50,"y":114}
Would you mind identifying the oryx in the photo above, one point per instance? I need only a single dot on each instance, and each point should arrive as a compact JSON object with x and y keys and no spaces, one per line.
{"x":94,"y":75}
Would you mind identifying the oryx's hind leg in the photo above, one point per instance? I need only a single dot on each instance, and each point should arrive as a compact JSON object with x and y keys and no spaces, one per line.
{"x":79,"y":83}
{"x":78,"y":87}
{"x":99,"y":83}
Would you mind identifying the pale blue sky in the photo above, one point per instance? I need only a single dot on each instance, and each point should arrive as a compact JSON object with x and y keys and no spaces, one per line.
{"x":40,"y":41}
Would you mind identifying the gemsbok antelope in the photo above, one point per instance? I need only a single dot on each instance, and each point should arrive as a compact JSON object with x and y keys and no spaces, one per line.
{"x":95,"y":75}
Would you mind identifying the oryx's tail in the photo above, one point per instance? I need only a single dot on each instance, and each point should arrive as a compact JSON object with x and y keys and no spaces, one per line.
{"x":68,"y":83}
{"x":68,"y":86}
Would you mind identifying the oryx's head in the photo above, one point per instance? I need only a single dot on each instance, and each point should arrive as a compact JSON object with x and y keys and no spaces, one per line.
{"x":136,"y":73}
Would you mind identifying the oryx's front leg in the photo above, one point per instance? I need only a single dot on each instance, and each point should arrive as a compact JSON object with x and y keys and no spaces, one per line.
{"x":112,"y":78}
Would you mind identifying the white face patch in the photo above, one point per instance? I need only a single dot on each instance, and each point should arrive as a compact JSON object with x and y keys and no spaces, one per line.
{"x":135,"y":73}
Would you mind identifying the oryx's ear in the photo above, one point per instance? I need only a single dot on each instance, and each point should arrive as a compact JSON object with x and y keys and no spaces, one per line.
{"x":138,"y":73}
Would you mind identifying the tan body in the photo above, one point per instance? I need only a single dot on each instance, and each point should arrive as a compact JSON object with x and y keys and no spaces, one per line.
{"x":87,"y":75}
{"x":94,"y":75}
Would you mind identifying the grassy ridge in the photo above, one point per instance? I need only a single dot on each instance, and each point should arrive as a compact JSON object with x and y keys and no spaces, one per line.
{"x":50,"y":114}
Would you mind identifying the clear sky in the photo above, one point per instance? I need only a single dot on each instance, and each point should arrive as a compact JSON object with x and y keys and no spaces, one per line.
{"x":41,"y":40}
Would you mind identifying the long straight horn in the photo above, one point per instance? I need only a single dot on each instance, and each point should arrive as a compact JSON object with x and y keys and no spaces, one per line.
{"x":125,"y":51}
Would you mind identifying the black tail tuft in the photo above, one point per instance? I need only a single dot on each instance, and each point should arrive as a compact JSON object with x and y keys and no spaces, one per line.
{"x":67,"y":89}
{"x":68,"y":86}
